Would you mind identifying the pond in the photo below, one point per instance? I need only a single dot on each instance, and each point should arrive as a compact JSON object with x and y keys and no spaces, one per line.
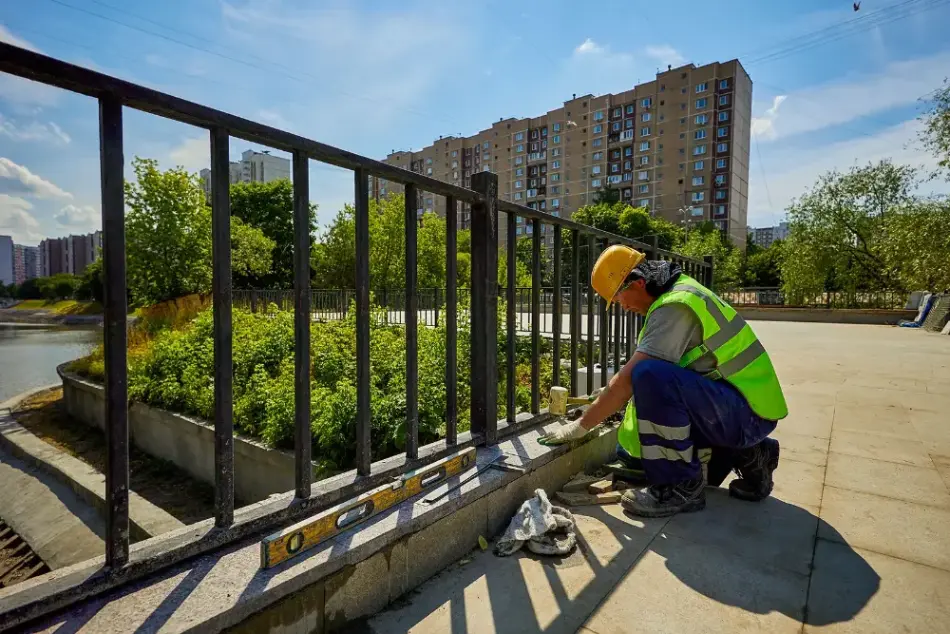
{"x":29,"y":355}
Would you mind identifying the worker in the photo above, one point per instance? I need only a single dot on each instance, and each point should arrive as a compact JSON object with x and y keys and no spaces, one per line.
{"x":699,"y":379}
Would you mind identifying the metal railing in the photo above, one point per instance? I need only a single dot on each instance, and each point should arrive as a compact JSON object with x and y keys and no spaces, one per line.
{"x":123,"y":563}
{"x":775,"y":296}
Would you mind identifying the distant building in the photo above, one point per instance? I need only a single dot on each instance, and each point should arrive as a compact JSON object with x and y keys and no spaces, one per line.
{"x":25,"y":263}
{"x":765,"y":236}
{"x":71,"y":254}
{"x":254,"y":167}
{"x":6,"y":260}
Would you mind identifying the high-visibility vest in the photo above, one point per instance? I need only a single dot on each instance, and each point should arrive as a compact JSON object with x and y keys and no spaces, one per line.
{"x":728,"y":340}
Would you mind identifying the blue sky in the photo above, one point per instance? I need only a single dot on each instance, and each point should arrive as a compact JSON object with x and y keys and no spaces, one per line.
{"x":374,"y":76}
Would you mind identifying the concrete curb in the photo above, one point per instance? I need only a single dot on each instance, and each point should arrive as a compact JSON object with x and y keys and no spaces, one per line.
{"x":145,"y":519}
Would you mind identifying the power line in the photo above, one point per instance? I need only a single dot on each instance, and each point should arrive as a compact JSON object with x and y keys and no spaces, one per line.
{"x":765,"y":180}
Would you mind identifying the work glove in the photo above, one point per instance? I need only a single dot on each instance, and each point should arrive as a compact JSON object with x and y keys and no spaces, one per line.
{"x":564,"y":434}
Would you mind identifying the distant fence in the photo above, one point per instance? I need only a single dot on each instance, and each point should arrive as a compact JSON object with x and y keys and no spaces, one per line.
{"x":774,"y":296}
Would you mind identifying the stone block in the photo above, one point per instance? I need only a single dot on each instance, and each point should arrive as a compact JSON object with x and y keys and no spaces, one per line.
{"x":880,"y":448}
{"x":883,"y":420}
{"x":446,"y":541}
{"x":861,"y":592}
{"x":580,"y":483}
{"x":894,"y":480}
{"x":366,"y":587}
{"x":586,"y":499}
{"x":914,"y":532}
{"x":299,"y":613}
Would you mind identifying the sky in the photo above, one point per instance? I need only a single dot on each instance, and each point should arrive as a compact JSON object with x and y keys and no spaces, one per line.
{"x":832,"y":88}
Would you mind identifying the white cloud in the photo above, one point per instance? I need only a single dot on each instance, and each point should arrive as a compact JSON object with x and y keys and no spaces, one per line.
{"x":790,"y":173}
{"x":834,"y":103}
{"x":16,"y":220}
{"x":665,"y":54}
{"x":194,"y":154}
{"x":275,"y":119}
{"x":588,"y":46}
{"x":9,"y":38}
{"x":16,"y":179}
{"x":23,"y":92}
{"x":33,"y":131}
{"x":84,"y":217}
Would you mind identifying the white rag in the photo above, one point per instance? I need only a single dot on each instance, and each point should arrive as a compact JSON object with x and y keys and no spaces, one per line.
{"x":547,"y":529}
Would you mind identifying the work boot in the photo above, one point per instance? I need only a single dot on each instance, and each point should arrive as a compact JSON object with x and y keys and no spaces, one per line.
{"x":755,"y":466}
{"x":664,"y":500}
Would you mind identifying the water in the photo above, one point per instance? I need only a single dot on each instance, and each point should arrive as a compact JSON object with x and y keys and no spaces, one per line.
{"x":29,"y":355}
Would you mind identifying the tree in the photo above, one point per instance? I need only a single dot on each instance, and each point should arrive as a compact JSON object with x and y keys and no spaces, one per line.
{"x":90,"y":285}
{"x":59,"y":286}
{"x":705,"y":240}
{"x":270,"y":208}
{"x":168,"y":236}
{"x":936,"y":120}
{"x":30,"y":289}
{"x":762,"y":267}
{"x":607,"y":195}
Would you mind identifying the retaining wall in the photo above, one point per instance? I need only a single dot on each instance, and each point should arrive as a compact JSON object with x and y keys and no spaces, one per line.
{"x":185,"y":441}
{"x":866,"y":316}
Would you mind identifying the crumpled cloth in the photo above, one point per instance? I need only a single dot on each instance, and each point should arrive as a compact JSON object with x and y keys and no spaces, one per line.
{"x":659,"y":275}
{"x":546,"y":529}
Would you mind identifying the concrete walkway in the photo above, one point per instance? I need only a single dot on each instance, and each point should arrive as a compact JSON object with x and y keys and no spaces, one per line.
{"x":856,"y":537}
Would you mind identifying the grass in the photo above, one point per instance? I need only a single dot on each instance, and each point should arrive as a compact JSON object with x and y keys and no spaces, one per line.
{"x":61,"y":307}
{"x":158,"y":481}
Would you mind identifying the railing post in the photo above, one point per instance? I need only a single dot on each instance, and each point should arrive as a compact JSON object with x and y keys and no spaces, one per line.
{"x":412,"y":325}
{"x":511,"y":306}
{"x":708,"y":271}
{"x":361,"y":197}
{"x":111,"y":170}
{"x":575,"y":307}
{"x":484,"y":307}
{"x":303,"y":471}
{"x":451,"y":321}
{"x":556,"y":306}
{"x":536,"y":316}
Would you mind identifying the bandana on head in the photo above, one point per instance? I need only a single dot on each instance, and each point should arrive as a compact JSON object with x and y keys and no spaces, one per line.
{"x":660,"y":275}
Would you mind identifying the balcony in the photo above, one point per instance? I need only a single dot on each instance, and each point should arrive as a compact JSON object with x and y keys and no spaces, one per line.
{"x":535,"y":157}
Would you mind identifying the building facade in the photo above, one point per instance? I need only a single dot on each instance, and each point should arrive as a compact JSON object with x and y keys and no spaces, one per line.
{"x":765,"y":236}
{"x":71,"y":254}
{"x":6,"y":260}
{"x":254,"y":167}
{"x":25,"y":263}
{"x":678,"y":145}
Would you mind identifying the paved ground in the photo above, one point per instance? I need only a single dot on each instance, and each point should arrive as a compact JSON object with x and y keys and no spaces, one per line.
{"x":856,"y":537}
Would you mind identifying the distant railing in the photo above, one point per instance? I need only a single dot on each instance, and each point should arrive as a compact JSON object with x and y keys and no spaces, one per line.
{"x":775,"y":296}
{"x":123,"y":564}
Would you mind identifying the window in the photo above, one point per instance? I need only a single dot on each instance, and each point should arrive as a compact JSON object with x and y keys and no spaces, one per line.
{"x":699,"y":134}
{"x":701,"y":119}
{"x":555,"y":189}
{"x":519,"y":160}
{"x":557,"y":127}
{"x":595,"y":182}
{"x":615,"y":126}
{"x":428,"y":171}
{"x":556,"y":152}
{"x":614,"y":180}
{"x":722,"y":147}
{"x":520,"y":230}
{"x":519,"y":184}
{"x":544,"y":205}
{"x":519,"y":147}
{"x":615,"y":168}
{"x":598,"y":129}
{"x":698,"y":180}
{"x":699,"y":196}
{"x":555,"y":178}
{"x":644,"y":146}
{"x":519,"y":195}
{"x":627,"y":165}
{"x":703,"y":87}
{"x":618,"y":112}
{"x":646,"y":103}
{"x":698,"y":165}
{"x":720,"y":210}
{"x":597,"y":142}
{"x":723,"y":131}
{"x":644,"y":160}
{"x":723,"y":84}
{"x":645,"y":131}
{"x":555,"y":165}
{"x":555,"y":202}
{"x":628,"y":151}
{"x":701,"y":103}
{"x":486,"y":156}
{"x":628,"y":177}
{"x":519,"y":136}
{"x":699,"y":150}
{"x":628,"y":124}
{"x":721,"y":194}
{"x":723,"y":116}
{"x":532,"y":193}
{"x":723,"y":100}
{"x":643,"y":176}
{"x":598,"y":156}
{"x":720,"y":163}
{"x":428,"y":161}
{"x":720,"y":179}
{"x":455,"y":164}
{"x":599,"y":115}
{"x":519,"y":171}
{"x":486,"y":145}
{"x":643,"y":189}
{"x":595,"y":169}
{"x":643,"y":202}
{"x":646,"y":116}
{"x":455,"y":153}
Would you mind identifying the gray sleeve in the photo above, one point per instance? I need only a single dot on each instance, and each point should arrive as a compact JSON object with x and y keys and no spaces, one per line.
{"x":670,"y":332}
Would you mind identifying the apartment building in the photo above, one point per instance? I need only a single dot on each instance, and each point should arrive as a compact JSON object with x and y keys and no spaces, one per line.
{"x":261,"y":167}
{"x":765,"y":236}
{"x":678,"y":145}
{"x":6,"y":260}
{"x":25,"y":263}
{"x":71,"y":254}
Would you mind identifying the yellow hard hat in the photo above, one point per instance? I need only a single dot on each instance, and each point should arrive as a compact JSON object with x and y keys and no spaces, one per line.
{"x":612,"y":268}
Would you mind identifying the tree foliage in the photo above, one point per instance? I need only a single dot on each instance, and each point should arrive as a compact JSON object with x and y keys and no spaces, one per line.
{"x":936,"y":119}
{"x":168,"y":236}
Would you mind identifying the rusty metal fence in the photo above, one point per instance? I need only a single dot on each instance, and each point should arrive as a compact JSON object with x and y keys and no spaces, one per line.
{"x":122,"y":562}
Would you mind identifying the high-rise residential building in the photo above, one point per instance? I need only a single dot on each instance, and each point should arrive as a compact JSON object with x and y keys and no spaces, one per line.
{"x":261,"y":167}
{"x":6,"y":260}
{"x":678,"y":145}
{"x":25,"y":263}
{"x":71,"y":254}
{"x":765,"y":236}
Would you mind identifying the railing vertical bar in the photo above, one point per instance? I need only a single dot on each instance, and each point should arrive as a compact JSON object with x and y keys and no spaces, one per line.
{"x":111,"y":166}
{"x":590,"y":316}
{"x":484,"y":307}
{"x":536,"y":316}
{"x":618,"y":332}
{"x":575,"y":307}
{"x":361,"y":197}
{"x":221,"y":298}
{"x":412,"y":326}
{"x":303,"y":471}
{"x":510,"y":333}
{"x":451,"y":321}
{"x":556,"y":306}
{"x":604,"y":337}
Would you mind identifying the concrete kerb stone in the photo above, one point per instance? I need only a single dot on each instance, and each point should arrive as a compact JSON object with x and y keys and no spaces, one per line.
{"x":145,"y":519}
